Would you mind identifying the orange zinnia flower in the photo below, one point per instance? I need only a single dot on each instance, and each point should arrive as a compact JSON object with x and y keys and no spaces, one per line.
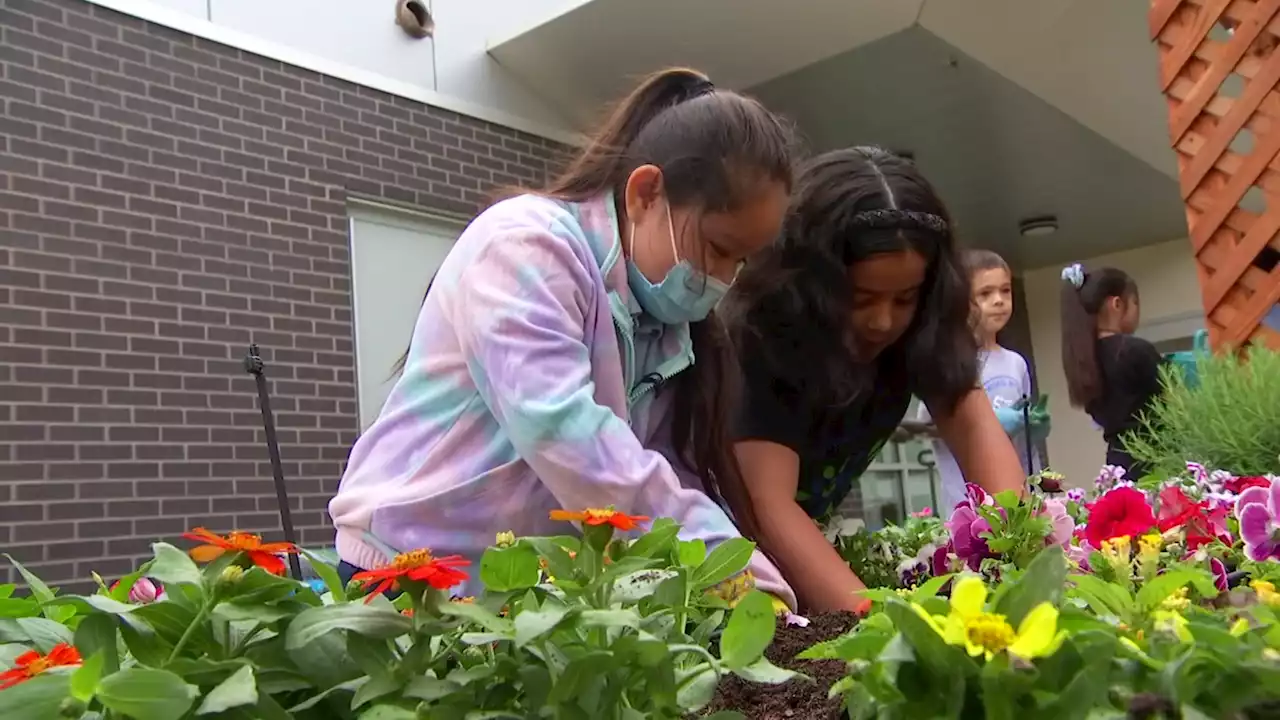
{"x":264,"y":555}
{"x":439,"y":573}
{"x":609,"y":516}
{"x":31,"y":663}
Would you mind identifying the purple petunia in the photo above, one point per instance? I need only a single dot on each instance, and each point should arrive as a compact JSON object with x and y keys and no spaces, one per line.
{"x":1258,"y":510}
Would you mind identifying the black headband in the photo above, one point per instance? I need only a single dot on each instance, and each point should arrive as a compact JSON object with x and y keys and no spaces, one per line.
{"x":698,"y":89}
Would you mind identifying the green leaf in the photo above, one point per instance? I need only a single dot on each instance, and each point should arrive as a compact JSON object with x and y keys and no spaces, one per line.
{"x":692,"y":552}
{"x":553,"y":550}
{"x":1103,"y":598}
{"x":146,"y":694}
{"x":639,"y":585}
{"x":696,"y":686}
{"x":39,"y":698}
{"x":749,"y":631}
{"x":728,"y":558}
{"x":43,"y":634}
{"x":763,"y":671}
{"x":657,"y":540}
{"x":609,"y":619}
{"x":1008,"y":500}
{"x":84,"y":681}
{"x":39,"y":590}
{"x":1042,"y":582}
{"x":329,"y":575}
{"x":379,"y":686}
{"x":509,"y":569}
{"x":350,"y":686}
{"x":533,"y":624}
{"x":237,"y":612}
{"x":929,"y":588}
{"x":18,"y":607}
{"x":388,"y":712}
{"x":926,"y":644}
{"x":236,"y":691}
{"x":1159,"y":588}
{"x":373,"y":621}
{"x":479,"y":615}
{"x":171,"y":566}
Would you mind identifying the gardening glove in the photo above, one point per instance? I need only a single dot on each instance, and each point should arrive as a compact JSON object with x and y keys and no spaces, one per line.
{"x":1010,"y":419}
{"x":1039,"y":416}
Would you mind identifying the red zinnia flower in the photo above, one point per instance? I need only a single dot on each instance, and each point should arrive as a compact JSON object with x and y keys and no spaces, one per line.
{"x":439,"y":573}
{"x":608,"y":516}
{"x":264,"y":555}
{"x":1120,"y":512}
{"x":31,"y":663}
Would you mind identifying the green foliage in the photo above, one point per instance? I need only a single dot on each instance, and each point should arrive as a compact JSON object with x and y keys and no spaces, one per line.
{"x":1229,"y":418}
{"x":1116,"y":652}
{"x":590,"y":627}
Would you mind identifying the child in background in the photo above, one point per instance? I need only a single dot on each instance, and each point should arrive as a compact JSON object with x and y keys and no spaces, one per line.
{"x":1111,"y":374}
{"x":1005,"y":375}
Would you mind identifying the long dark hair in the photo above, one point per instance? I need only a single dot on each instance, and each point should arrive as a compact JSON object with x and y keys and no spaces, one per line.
{"x":792,"y":303}
{"x":1080,"y":307}
{"x":714,"y":147}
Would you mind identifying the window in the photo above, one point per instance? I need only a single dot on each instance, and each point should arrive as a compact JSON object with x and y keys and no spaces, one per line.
{"x":394,"y":254}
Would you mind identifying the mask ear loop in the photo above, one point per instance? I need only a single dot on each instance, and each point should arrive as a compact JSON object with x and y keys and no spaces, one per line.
{"x":671,"y":228}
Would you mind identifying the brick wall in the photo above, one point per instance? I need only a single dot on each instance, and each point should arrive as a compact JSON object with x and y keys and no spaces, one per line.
{"x":164,"y":201}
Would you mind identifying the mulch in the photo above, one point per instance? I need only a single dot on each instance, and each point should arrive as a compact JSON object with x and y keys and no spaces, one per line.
{"x":795,"y":699}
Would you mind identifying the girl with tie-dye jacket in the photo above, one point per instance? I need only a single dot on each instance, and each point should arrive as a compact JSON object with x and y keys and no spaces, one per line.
{"x":567,"y":356}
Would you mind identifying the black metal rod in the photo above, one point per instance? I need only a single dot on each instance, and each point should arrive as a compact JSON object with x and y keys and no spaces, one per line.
{"x":1026,"y":430}
{"x":254,"y":366}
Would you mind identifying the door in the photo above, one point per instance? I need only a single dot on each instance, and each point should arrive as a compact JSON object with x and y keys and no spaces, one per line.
{"x":394,"y":254}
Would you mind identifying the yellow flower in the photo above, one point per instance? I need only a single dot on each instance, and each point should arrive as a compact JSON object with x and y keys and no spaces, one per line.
{"x":1116,"y":549}
{"x":985,"y":633}
{"x":1266,"y":592}
{"x":1149,"y":547}
{"x":505,"y":539}
{"x":1176,"y":601}
{"x":1172,"y":622}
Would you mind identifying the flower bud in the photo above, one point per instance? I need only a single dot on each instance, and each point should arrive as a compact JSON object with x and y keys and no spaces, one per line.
{"x":231,"y":575}
{"x":144,"y":592}
{"x":505,"y":539}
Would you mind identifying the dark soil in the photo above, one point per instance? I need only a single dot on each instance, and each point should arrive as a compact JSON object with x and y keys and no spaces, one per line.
{"x":796,"y":699}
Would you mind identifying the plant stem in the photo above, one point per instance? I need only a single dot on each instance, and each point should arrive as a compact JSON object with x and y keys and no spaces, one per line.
{"x":205,"y":608}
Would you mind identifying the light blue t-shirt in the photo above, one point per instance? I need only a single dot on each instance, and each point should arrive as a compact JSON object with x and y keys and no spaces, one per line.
{"x":1006,"y":379}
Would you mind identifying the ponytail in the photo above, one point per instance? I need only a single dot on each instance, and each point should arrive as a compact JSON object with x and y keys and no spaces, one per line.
{"x":1083,"y":295}
{"x":604,"y":164}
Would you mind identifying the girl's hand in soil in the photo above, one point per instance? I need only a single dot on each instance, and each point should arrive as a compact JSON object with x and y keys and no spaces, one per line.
{"x":821,"y":579}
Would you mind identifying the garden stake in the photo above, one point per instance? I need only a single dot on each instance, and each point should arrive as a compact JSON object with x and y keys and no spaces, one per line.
{"x":1026,"y":431}
{"x":253,"y":365}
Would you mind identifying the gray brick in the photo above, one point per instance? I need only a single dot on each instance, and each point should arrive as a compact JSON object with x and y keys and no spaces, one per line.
{"x":165,"y":199}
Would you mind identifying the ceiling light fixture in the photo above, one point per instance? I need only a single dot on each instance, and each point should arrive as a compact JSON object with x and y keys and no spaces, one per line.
{"x":1038,"y":226}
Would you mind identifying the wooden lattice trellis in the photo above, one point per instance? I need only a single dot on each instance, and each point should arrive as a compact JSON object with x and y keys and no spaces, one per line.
{"x":1219,"y":69}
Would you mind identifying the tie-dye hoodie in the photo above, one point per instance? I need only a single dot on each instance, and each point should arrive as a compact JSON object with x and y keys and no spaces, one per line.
{"x":529,"y":386}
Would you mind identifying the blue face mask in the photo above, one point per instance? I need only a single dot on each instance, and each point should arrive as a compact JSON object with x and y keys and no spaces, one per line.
{"x":685,"y":295}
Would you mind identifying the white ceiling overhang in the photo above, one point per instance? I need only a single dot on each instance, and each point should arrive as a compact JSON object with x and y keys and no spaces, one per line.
{"x":579,"y":55}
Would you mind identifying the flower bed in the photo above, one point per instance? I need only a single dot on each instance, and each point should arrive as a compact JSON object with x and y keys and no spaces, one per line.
{"x":801,"y":698}
{"x":592,"y":627}
{"x":1117,"y":603}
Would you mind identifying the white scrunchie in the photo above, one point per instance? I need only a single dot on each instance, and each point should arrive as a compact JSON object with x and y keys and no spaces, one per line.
{"x":1074,"y":274}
